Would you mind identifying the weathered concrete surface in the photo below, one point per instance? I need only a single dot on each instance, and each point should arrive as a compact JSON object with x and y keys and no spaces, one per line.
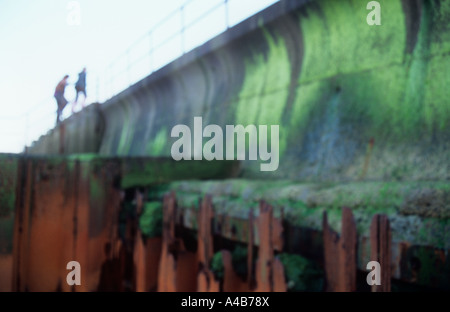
{"x":352,"y":101}
{"x":79,"y":134}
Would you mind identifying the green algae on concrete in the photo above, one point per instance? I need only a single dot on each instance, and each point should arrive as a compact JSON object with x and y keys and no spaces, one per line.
{"x":338,"y":39}
{"x":156,"y":146}
{"x":148,"y":171}
{"x":330,"y":81}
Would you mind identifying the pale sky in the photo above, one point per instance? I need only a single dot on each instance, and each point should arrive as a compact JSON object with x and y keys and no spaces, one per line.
{"x":41,"y":41}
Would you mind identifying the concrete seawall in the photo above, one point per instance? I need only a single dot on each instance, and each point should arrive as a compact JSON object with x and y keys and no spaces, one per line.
{"x":352,"y":101}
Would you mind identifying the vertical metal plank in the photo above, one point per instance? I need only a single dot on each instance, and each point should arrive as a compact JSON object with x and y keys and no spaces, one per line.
{"x":380,"y":242}
{"x":264,"y":264}
{"x":167,"y":271}
{"x":340,"y":254}
{"x":205,"y":279}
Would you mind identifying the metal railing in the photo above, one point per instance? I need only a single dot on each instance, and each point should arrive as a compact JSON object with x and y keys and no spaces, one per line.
{"x":121,"y":73}
{"x":160,"y":47}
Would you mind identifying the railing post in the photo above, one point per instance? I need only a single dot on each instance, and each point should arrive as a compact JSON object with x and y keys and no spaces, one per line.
{"x":109,"y":80}
{"x":128,"y":67}
{"x":97,"y":90}
{"x":27,"y":127}
{"x":227,"y":17}
{"x":182,"y":28}
{"x":150,"y":54}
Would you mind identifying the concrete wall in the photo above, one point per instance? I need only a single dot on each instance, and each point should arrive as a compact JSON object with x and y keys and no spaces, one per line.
{"x":352,"y":101}
{"x":80,"y":134}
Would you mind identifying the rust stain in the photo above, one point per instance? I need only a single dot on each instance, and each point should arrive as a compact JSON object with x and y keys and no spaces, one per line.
{"x":50,"y":246}
{"x":62,"y":133}
{"x":367,"y":158}
{"x":265,"y":254}
{"x":277,"y":234}
{"x":231,"y":281}
{"x":81,"y":225}
{"x":380,"y":242}
{"x":250,"y":245}
{"x":177,"y":266}
{"x":6,"y":273}
{"x":153,"y":254}
{"x":206,"y":281}
{"x":205,"y":240}
{"x":139,"y":258}
{"x":21,"y":224}
{"x":279,"y":282}
{"x":167,"y":272}
{"x":139,"y":250}
{"x":340,"y":254}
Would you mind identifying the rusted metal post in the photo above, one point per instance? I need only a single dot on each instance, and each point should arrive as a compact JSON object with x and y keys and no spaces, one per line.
{"x":250,"y":245}
{"x":21,"y":224}
{"x":62,"y":135}
{"x":231,"y":281}
{"x":81,"y":221}
{"x":380,"y":244}
{"x":139,"y":252}
{"x":340,"y":254}
{"x":167,"y":271}
{"x":153,"y":254}
{"x":205,"y":239}
{"x":269,"y":271}
{"x":206,"y":280}
{"x":264,"y":264}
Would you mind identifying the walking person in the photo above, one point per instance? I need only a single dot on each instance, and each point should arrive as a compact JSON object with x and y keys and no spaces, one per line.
{"x":60,"y":99}
{"x":80,"y":87}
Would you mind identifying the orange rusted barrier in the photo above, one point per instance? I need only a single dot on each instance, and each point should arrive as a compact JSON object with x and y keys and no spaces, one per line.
{"x":340,"y":254}
{"x":21,"y":229}
{"x":139,"y":256}
{"x":103,"y":226}
{"x":152,"y":256}
{"x":250,"y":245}
{"x":49,"y":230}
{"x":146,"y":256}
{"x":57,"y":221}
{"x":174,"y":274}
{"x":231,"y":281}
{"x":269,"y":271}
{"x":206,"y":280}
{"x":380,"y":242}
{"x":167,"y":271}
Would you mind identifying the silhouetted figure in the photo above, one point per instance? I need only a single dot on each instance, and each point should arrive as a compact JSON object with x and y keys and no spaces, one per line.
{"x":60,"y":99}
{"x":80,"y":87}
